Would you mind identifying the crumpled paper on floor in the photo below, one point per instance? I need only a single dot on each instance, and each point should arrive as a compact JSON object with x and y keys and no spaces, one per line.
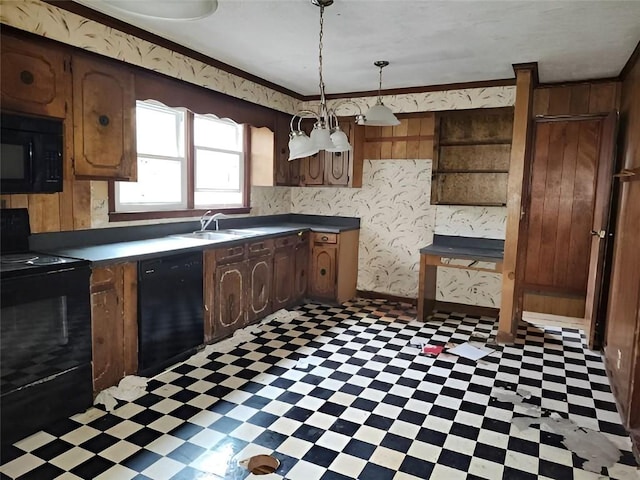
{"x":129,"y":389}
{"x":241,"y":336}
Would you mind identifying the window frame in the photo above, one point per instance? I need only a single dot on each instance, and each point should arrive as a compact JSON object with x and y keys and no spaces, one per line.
{"x":191,"y":210}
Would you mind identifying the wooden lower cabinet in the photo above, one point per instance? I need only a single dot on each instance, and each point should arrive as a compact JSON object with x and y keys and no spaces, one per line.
{"x":260,"y":274}
{"x":229,"y":299}
{"x":282,"y":278}
{"x":301,"y":268}
{"x":333,"y":269}
{"x":114,"y":324}
{"x":323,"y":271}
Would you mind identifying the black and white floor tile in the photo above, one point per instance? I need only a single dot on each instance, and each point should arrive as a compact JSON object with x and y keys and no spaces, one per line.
{"x":368,"y":407}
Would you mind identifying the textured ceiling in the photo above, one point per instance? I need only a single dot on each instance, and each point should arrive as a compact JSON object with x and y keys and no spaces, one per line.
{"x":428,"y":42}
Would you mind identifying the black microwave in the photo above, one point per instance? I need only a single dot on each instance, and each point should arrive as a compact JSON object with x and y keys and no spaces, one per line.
{"x":31,"y":154}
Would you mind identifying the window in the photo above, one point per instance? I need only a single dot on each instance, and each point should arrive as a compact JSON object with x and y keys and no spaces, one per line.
{"x":186,"y":161}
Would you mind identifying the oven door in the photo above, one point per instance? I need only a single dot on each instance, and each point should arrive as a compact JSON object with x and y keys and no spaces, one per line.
{"x":45,"y":356}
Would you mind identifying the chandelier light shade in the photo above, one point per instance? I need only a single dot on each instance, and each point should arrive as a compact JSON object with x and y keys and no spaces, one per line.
{"x":167,"y":9}
{"x":380,"y":115}
{"x":326,"y":134}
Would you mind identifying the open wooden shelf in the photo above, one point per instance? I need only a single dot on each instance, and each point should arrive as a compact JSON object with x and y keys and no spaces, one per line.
{"x":472,"y":151}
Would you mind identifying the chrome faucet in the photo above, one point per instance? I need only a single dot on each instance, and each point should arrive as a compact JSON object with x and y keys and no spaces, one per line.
{"x":204,"y":221}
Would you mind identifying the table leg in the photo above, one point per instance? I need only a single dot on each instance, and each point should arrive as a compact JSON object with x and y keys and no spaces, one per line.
{"x":426,"y":288}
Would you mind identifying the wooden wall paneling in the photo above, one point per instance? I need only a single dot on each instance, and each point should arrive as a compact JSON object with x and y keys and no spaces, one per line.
{"x":413,"y":130}
{"x":622,"y":342}
{"x":44,"y":212}
{"x":554,"y":304}
{"x":357,"y":154}
{"x":541,"y":97}
{"x":398,"y":146}
{"x":347,"y":265}
{"x":519,"y":150}
{"x":560,"y":100}
{"x":81,"y":204}
{"x":427,"y":129}
{"x":385,"y":147}
{"x":130,"y":317}
{"x":579,"y":102}
{"x":372,"y":147}
{"x":603,"y":98}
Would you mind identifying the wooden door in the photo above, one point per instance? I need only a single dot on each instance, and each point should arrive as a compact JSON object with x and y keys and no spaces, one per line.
{"x":104,"y":119}
{"x":34,"y":78}
{"x":229,"y":303}
{"x":322,"y":283}
{"x":301,"y":269}
{"x":283,"y":264}
{"x":260,"y":274}
{"x":568,"y":198}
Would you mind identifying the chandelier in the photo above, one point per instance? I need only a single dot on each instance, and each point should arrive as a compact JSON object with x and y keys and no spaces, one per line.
{"x":326,"y":134}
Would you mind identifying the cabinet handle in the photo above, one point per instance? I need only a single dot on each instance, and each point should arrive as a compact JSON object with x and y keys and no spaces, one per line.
{"x":103,"y":120}
{"x":338,"y":154}
{"x":323,"y":272}
{"x":324,"y":238}
{"x":26,"y":77}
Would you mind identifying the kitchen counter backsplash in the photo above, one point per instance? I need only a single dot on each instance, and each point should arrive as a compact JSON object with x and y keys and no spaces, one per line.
{"x":397,"y":219}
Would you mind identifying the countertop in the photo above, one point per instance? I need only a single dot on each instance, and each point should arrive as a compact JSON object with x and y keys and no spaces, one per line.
{"x":177,"y":243}
{"x":488,"y":249}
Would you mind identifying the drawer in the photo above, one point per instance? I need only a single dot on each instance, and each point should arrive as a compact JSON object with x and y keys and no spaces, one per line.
{"x":287,"y":241}
{"x":319,"y":237}
{"x":231,"y":254}
{"x":262,"y":247}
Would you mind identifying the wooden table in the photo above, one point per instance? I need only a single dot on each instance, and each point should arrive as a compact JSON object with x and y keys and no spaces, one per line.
{"x":431,"y":257}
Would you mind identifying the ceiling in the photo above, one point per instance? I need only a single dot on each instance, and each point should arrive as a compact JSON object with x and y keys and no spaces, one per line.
{"x":427,"y":42}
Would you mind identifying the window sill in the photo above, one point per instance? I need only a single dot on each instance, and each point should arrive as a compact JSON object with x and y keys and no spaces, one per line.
{"x":155,"y":215}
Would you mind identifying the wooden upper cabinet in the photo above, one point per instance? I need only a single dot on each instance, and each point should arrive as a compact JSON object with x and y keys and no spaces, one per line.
{"x":35,"y":78}
{"x":337,"y":165}
{"x":104,"y":119}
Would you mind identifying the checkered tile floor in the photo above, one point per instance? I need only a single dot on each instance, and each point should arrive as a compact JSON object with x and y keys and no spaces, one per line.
{"x":368,"y":407}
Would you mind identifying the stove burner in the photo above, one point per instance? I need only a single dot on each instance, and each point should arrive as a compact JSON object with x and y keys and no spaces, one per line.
{"x":45,"y":260}
{"x":13,"y":258}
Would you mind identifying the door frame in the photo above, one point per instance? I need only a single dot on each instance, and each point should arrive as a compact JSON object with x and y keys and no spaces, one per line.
{"x":601,"y":213}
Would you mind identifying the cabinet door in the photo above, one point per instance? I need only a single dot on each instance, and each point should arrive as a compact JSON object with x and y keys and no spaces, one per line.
{"x":107,"y":328}
{"x":338,"y":164}
{"x":301,"y":270}
{"x":260,"y":274}
{"x":313,"y":169}
{"x":323,"y":271}
{"x":104,"y":119}
{"x":35,"y":78}
{"x":282,"y":278}
{"x":281,"y":150}
{"x":229,"y":301}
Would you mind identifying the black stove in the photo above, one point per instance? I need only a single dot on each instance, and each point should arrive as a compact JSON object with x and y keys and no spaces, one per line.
{"x":15,"y":257}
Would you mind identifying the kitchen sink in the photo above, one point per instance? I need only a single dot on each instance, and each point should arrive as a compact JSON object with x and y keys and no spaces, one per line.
{"x":210,"y":235}
{"x":245,"y":232}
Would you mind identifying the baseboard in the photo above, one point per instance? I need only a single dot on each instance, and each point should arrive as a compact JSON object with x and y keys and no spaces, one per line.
{"x":386,"y":296}
{"x":467,"y":309}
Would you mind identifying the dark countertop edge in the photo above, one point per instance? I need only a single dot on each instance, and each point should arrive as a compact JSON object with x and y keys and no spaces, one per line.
{"x":88,"y":252}
{"x":489,"y":256}
{"x":102,"y":236}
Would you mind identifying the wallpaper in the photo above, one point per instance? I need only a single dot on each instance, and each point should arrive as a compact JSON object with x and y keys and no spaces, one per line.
{"x":52,"y":22}
{"x":396,"y":220}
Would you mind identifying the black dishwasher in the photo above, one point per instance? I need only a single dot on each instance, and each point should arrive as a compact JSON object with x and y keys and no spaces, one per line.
{"x":170,"y":310}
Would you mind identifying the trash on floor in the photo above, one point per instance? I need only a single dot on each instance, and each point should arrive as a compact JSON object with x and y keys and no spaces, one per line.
{"x":427,"y":348}
{"x":466,"y":350}
{"x":129,"y":389}
{"x":262,"y":464}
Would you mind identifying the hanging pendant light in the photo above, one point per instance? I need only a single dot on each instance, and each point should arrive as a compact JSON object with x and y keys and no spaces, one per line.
{"x":380,"y":115}
{"x":326,"y":133}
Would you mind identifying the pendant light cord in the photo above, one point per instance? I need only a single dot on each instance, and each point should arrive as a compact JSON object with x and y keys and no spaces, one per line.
{"x":323,"y":105}
{"x":380,"y":88}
